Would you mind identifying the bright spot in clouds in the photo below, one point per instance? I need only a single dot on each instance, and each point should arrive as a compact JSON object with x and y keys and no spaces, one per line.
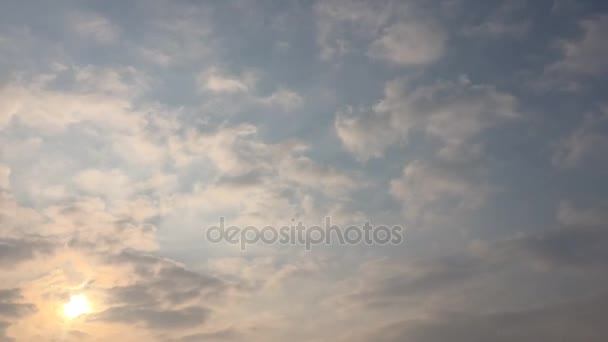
{"x":77,"y":306}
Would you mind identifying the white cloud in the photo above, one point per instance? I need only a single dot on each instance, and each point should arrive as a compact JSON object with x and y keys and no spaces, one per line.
{"x":431,"y":191}
{"x":283,"y":98}
{"x":94,"y":26}
{"x":340,"y":21}
{"x":453,"y":112}
{"x":216,"y":81}
{"x":409,"y":43}
{"x":244,"y":86}
{"x":113,"y":184}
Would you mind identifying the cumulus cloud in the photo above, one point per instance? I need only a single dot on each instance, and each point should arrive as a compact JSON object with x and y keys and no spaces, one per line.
{"x":428,"y":191}
{"x":388,"y":31}
{"x":93,"y":26}
{"x":453,"y":112}
{"x":216,"y":81}
{"x":243,"y":89}
{"x":409,"y":43}
{"x":340,"y":21}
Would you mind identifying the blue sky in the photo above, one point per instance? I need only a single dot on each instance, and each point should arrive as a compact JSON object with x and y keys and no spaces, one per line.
{"x":127,"y":128}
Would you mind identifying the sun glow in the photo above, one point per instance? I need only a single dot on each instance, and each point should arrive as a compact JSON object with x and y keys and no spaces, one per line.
{"x":78,"y":305}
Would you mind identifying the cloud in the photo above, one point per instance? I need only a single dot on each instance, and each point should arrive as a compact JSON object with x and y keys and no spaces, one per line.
{"x":457,"y":294}
{"x":103,"y":99}
{"x":431,"y":191}
{"x":391,"y":32}
{"x":508,"y":20}
{"x":165,"y":296}
{"x":283,"y":98}
{"x":12,"y":309}
{"x":16,"y":250}
{"x":587,"y":217}
{"x":453,"y":112}
{"x":409,"y":43}
{"x":3,"y":327}
{"x":341,"y":21}
{"x":10,"y":306}
{"x":221,"y":335}
{"x":94,"y":26}
{"x":545,"y":323}
{"x":216,"y":81}
{"x":242,"y":90}
{"x":588,"y":142}
{"x":156,"y":319}
{"x":586,"y":55}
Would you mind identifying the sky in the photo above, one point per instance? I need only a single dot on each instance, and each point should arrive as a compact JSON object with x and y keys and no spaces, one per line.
{"x":128,"y":128}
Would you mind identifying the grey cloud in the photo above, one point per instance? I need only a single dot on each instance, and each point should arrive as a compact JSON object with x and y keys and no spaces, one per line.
{"x":3,"y":327}
{"x":155,"y":318}
{"x":587,"y":143}
{"x":10,"y":306}
{"x":579,"y":252}
{"x":221,"y":335}
{"x":583,"y":320}
{"x":570,"y":215}
{"x":586,"y":54}
{"x":507,"y":20}
{"x":580,"y":248}
{"x":16,"y":250}
{"x":166,"y":295}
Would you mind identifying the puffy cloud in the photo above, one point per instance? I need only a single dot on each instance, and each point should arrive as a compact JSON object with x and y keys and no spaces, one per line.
{"x":409,"y":43}
{"x":453,"y":112}
{"x":392,"y":32}
{"x":243,"y":89}
{"x":216,"y":81}
{"x":94,"y":26}
{"x":338,"y":20}
{"x":103,"y":99}
{"x":283,"y":98}
{"x":430,"y":191}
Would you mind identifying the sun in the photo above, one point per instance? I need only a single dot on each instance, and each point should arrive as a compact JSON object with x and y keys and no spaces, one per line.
{"x":78,"y":305}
